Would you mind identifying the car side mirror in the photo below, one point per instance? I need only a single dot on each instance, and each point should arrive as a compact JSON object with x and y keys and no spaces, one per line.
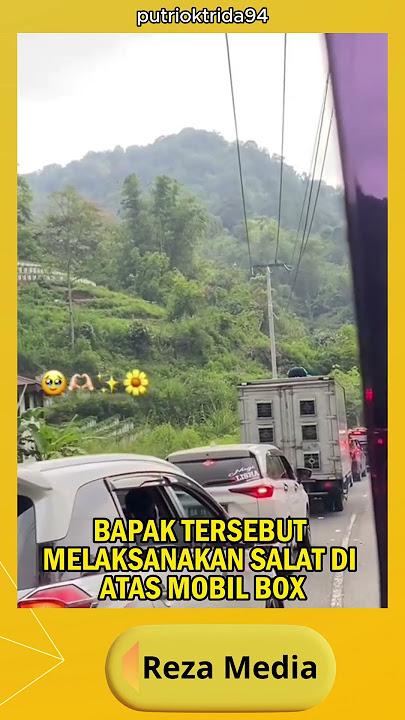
{"x":303,"y":474}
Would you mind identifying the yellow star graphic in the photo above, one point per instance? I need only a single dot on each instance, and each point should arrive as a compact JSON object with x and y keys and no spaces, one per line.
{"x":112,"y":383}
{"x":99,"y":377}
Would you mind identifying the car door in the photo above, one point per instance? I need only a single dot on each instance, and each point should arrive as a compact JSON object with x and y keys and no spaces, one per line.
{"x":67,"y":589}
{"x":157,"y":487}
{"x":151,"y":485}
{"x":179,"y":498}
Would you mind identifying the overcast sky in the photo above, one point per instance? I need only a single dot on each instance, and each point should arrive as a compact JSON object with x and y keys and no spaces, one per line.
{"x":81,"y":92}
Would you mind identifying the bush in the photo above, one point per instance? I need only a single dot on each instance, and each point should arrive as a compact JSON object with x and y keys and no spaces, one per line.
{"x":223,"y":423}
{"x":185,"y":298}
{"x":165,"y":439}
{"x":86,"y":331}
{"x":352,"y":384}
{"x":98,"y":405}
{"x":189,"y":339}
{"x":140,"y":338}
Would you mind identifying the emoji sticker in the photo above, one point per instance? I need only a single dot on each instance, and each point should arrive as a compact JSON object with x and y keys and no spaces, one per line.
{"x":136,"y":383}
{"x":53,"y":383}
{"x":81,"y":382}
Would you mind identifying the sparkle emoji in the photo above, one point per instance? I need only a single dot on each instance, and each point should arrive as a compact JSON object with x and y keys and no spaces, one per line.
{"x":53,"y":383}
{"x":112,"y":384}
{"x":136,"y":383}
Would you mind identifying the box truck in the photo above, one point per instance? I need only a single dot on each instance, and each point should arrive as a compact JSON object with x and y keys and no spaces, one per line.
{"x":305,"y":417}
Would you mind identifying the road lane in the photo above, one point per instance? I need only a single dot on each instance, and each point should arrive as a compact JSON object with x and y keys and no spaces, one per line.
{"x":352,"y":527}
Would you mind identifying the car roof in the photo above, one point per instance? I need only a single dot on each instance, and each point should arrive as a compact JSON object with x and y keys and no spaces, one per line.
{"x":53,"y":484}
{"x":221,"y":451}
{"x":50,"y":473}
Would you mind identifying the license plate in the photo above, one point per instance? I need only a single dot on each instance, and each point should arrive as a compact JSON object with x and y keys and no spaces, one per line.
{"x":199,"y":512}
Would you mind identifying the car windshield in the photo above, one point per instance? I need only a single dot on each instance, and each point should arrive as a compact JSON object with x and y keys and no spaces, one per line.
{"x":222,"y":471}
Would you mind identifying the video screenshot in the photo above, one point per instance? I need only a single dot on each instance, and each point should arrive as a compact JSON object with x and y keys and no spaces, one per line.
{"x":202,"y":348}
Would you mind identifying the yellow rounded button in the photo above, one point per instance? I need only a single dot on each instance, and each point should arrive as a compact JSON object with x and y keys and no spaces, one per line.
{"x":220,"y":668}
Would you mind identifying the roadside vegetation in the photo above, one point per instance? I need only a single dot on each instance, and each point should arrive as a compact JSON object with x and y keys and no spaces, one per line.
{"x":173,"y":297}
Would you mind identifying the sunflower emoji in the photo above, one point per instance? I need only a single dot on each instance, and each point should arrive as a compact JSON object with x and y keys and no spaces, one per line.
{"x":136,"y":383}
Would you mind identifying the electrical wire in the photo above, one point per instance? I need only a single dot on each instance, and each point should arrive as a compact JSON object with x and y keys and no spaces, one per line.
{"x":305,"y":243}
{"x":282,"y":148}
{"x":320,"y":181}
{"x":239,"y":158}
{"x":314,"y":168}
{"x":312,"y":165}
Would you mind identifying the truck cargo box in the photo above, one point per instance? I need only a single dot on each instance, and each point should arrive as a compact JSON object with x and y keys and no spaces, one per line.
{"x":305,"y":417}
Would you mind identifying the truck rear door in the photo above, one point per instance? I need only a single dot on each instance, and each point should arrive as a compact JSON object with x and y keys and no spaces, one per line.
{"x":257,"y":414}
{"x":284,"y":422}
{"x":315,"y":429}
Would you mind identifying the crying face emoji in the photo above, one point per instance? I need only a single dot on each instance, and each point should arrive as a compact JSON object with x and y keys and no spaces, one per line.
{"x":53,"y":383}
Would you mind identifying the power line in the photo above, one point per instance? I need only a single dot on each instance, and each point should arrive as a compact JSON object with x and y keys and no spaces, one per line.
{"x":320,"y":180}
{"x":313,"y":172}
{"x":238,"y":151}
{"x":282,"y":148}
{"x":305,"y":242}
{"x":312,"y":166}
{"x":312,"y":180}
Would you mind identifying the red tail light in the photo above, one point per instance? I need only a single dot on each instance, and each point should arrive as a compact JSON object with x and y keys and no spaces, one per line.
{"x":263,"y":491}
{"x":369,"y":395}
{"x":65,"y":596}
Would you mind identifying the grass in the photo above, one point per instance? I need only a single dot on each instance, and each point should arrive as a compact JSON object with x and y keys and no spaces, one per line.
{"x":118,"y":304}
{"x":161,"y":440}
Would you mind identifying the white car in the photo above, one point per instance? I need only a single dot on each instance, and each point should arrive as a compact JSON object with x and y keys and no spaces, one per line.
{"x":57,"y":501}
{"x":252,"y":481}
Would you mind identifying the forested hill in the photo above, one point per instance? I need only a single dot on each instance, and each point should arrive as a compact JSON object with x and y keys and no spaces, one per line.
{"x":207,"y":165}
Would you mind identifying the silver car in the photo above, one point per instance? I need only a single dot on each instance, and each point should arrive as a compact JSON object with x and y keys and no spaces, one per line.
{"x":57,"y":501}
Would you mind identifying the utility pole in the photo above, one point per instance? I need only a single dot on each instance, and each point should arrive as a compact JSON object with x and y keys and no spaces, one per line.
{"x":271,"y":325}
{"x":272,"y":334}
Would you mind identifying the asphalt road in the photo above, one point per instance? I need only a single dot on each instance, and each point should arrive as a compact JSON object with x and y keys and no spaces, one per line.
{"x":352,"y":527}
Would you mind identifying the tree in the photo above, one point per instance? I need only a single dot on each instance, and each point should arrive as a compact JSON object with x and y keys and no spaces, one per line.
{"x":24,"y":201}
{"x":131,"y":201}
{"x":352,"y":384}
{"x":179,"y":222}
{"x":134,"y":212}
{"x":185,"y":298}
{"x":73,"y":230}
{"x":180,"y":303}
{"x":151,"y":277}
{"x":27,"y":247}
{"x":137,"y":232}
{"x":207,"y":164}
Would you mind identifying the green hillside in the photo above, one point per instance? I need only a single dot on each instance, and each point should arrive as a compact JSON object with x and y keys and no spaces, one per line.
{"x":174,"y":298}
{"x":206,"y":164}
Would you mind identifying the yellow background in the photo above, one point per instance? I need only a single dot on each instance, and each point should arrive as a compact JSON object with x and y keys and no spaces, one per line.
{"x":366,"y":643}
{"x":199,"y":643}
